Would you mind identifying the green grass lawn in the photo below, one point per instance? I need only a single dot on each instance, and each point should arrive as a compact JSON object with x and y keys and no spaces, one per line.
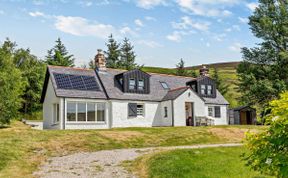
{"x":224,"y":162}
{"x":22,"y":149}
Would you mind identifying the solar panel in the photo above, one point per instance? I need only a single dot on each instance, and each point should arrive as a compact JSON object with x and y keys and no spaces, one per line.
{"x":76,"y":82}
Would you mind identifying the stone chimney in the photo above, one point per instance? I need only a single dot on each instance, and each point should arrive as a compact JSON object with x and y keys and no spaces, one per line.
{"x":100,"y":61}
{"x":204,"y":71}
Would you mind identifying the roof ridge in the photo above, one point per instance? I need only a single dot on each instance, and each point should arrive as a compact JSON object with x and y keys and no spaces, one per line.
{"x":179,"y":88}
{"x":76,"y":68}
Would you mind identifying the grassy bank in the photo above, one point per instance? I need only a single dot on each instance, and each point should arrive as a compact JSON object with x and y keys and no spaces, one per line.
{"x":199,"y":163}
{"x":22,"y":149}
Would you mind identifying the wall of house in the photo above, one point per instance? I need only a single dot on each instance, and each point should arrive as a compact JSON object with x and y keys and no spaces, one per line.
{"x":165,"y":121}
{"x":224,"y":114}
{"x":51,"y":99}
{"x":179,"y":107}
{"x":88,"y":125}
{"x":120,"y":118}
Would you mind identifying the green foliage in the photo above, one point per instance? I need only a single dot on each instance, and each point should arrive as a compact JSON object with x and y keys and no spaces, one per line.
{"x":264,"y":72}
{"x":33,"y":73}
{"x":223,"y":87}
{"x":199,"y":163}
{"x":113,"y":53}
{"x":127,"y":56}
{"x":268,"y":150}
{"x":11,"y":84}
{"x":180,"y":70}
{"x":59,"y":55}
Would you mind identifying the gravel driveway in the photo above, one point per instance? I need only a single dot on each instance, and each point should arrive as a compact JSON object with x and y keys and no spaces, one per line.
{"x":102,"y":164}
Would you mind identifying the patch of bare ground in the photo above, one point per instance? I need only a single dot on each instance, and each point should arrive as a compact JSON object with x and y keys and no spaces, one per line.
{"x":121,"y":136}
{"x":231,"y":134}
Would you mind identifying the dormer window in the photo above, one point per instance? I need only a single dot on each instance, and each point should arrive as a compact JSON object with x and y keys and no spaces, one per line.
{"x":203,"y":89}
{"x":132,"y":83}
{"x":209,"y":90}
{"x":140,"y":84}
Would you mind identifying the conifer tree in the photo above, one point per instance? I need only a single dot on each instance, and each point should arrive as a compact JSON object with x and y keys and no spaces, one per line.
{"x":181,"y":68}
{"x":127,"y":57}
{"x":113,"y":53}
{"x":59,"y":55}
{"x":222,"y":87}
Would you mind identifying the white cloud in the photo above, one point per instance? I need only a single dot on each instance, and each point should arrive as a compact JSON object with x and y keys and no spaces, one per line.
{"x":86,"y":3}
{"x":236,"y":47}
{"x":175,"y":36}
{"x":82,"y":27}
{"x":148,"y":4}
{"x":2,"y":12}
{"x":243,"y":20}
{"x":210,"y":8}
{"x":138,"y":22}
{"x":208,"y":44}
{"x":151,"y":44}
{"x":37,"y":14}
{"x":252,"y":6}
{"x":219,"y":37}
{"x":187,"y":23}
{"x":149,"y":18}
{"x":233,"y":28}
{"x":127,"y":31}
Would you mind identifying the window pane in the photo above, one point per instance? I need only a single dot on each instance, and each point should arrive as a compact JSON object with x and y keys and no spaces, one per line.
{"x":100,"y":111}
{"x":203,"y":88}
{"x":140,"y":109}
{"x":71,"y":111}
{"x":165,"y":112}
{"x":57,"y":115}
{"x":131,"y":83}
{"x":81,"y":110}
{"x":164,"y":85}
{"x":91,"y":113}
{"x":210,"y":112}
{"x":141,"y":84}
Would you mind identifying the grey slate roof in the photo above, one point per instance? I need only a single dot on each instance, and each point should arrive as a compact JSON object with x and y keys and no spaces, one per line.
{"x":108,"y":89}
{"x":218,"y":100}
{"x":173,"y":94}
{"x":75,"y":93}
{"x":157,"y":92}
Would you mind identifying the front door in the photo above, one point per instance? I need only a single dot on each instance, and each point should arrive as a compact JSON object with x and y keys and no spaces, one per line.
{"x":189,"y":109}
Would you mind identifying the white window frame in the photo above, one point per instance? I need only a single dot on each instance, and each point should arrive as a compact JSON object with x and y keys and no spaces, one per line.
{"x":203,"y":89}
{"x":212,"y":111}
{"x":86,"y":117}
{"x":143,"y":110}
{"x":141,"y":87}
{"x":130,"y":86}
{"x":209,"y":90}
{"x":56,"y":113}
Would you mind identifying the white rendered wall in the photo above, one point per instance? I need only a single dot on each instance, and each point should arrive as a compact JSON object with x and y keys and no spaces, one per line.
{"x":179,"y":107}
{"x":120,"y":118}
{"x":223,"y":120}
{"x":50,"y":99}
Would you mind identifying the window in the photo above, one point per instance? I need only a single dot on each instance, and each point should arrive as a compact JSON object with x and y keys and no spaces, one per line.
{"x":140,"y":110}
{"x":131,"y":83}
{"x":210,"y":112}
{"x":100,"y":112}
{"x":121,"y":81}
{"x":165,"y":111}
{"x":203,"y":89}
{"x":91,"y":112}
{"x":164,"y":85}
{"x":81,"y":112}
{"x":85,"y":112}
{"x":217,"y":111}
{"x":71,"y":111}
{"x":209,"y":90}
{"x":140,"y":84}
{"x":55,"y":113}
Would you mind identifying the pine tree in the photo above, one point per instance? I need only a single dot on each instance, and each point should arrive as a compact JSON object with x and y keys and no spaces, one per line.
{"x":181,"y":68}
{"x":127,"y":57}
{"x":59,"y":55}
{"x":263,"y":74}
{"x":113,"y":53}
{"x":222,"y":87}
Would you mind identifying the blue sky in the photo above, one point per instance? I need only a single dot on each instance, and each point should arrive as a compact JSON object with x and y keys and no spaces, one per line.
{"x":162,"y":31}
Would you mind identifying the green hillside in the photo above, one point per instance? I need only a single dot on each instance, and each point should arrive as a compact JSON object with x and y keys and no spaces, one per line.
{"x":227,"y":72}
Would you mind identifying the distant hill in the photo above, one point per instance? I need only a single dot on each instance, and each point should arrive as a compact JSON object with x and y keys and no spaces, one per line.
{"x":227,"y":71}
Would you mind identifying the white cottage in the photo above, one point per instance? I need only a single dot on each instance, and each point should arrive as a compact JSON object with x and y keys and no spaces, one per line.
{"x":106,"y":98}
